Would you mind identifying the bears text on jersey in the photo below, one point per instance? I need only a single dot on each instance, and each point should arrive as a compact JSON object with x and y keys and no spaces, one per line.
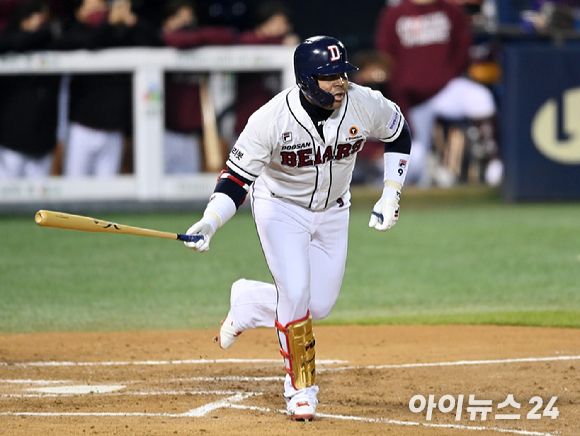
{"x":308,"y":157}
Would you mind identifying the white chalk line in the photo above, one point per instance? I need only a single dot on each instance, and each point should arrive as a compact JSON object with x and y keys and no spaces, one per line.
{"x":277,"y":361}
{"x":30,"y":381}
{"x":139,"y":363}
{"x":83,"y":389}
{"x":193,"y":413}
{"x":126,"y":393}
{"x":173,"y":380}
{"x":204,"y":410}
{"x":457,"y":363}
{"x":230,"y":378}
{"x":160,"y":362}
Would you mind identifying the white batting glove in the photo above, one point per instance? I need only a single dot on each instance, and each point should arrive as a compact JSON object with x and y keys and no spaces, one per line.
{"x":386,"y":211}
{"x":217,"y":212}
{"x":205,"y":227}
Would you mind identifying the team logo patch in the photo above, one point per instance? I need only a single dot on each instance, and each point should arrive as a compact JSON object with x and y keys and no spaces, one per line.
{"x":353,"y":131}
{"x":286,"y":136}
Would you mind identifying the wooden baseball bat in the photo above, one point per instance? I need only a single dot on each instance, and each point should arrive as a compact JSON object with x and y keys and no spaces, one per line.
{"x":61,"y":220}
{"x":214,"y":159}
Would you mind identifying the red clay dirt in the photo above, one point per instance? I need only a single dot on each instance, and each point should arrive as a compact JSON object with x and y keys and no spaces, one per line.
{"x":166,"y":383}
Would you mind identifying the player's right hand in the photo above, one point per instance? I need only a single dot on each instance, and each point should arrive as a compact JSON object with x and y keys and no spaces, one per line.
{"x":205,"y":227}
{"x":386,"y":211}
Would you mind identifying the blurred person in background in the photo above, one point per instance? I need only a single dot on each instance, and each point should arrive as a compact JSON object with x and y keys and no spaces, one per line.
{"x":100,"y":105}
{"x":183,"y":120}
{"x":273,"y":26}
{"x":28,"y":103}
{"x":427,"y":43}
{"x":58,"y":10}
{"x":232,"y":13}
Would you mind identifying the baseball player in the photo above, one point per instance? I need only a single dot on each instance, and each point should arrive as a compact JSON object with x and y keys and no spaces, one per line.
{"x":295,"y":158}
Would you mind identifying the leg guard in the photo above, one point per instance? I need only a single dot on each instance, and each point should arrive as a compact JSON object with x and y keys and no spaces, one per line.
{"x":300,"y":354}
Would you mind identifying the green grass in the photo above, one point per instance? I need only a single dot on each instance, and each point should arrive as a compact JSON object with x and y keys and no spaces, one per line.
{"x":479,"y":264}
{"x":454,"y":257}
{"x":538,"y":318}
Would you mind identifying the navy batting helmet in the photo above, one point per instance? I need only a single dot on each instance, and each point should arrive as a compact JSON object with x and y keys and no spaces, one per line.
{"x":319,"y":56}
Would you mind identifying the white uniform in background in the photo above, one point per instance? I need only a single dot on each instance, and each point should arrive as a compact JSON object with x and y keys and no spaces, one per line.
{"x":17,"y":165}
{"x":182,"y":153}
{"x":92,"y":152}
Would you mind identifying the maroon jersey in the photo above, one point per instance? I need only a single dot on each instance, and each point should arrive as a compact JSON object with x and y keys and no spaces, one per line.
{"x":197,"y":37}
{"x":428,"y":45}
{"x":182,"y":102}
{"x":255,"y":89}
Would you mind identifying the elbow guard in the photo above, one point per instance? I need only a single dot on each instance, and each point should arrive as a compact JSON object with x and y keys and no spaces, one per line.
{"x":234,"y":186}
{"x":403,"y":142}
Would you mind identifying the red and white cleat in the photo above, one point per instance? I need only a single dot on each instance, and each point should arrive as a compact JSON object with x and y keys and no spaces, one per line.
{"x":228,"y":334}
{"x":303,"y":411}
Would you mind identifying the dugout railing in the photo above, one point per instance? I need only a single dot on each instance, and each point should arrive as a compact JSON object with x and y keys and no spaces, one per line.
{"x":147,"y":184}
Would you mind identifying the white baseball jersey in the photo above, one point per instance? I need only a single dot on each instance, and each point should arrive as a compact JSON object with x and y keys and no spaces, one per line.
{"x":281,"y":145}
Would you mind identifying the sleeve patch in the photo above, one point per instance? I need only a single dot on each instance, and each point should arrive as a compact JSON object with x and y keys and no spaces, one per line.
{"x":394,"y":121}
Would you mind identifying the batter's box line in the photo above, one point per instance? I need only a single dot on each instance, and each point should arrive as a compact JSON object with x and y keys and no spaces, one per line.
{"x":193,"y":413}
{"x":162,"y":362}
{"x":31,"y":381}
{"x":172,"y":380}
{"x":227,"y":402}
{"x":457,"y":363}
{"x":229,"y":378}
{"x":128,"y":394}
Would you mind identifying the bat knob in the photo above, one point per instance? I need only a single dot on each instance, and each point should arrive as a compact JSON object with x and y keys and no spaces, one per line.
{"x":38,"y":217}
{"x":189,"y":238}
{"x":379,"y":216}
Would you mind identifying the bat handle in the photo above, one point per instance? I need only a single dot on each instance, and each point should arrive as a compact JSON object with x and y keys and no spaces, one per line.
{"x":379,"y":216}
{"x":189,"y":238}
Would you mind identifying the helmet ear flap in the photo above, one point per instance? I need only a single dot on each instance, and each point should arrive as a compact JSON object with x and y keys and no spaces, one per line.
{"x":310,"y":88}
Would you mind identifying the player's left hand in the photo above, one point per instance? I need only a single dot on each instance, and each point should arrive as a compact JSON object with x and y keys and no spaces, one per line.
{"x":386,"y":211}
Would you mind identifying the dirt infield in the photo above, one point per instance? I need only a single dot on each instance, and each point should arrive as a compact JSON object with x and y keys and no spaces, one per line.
{"x":165,"y":383}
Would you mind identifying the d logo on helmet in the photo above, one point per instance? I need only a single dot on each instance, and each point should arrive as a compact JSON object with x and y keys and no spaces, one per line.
{"x":334,"y":52}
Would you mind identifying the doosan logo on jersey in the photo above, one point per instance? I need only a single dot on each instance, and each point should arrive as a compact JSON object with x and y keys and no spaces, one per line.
{"x":297,"y":146}
{"x":307,"y":157}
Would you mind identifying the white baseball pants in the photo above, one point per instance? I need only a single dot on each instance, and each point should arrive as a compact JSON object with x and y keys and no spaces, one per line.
{"x":17,"y":165}
{"x":306,"y":253}
{"x":92,"y":152}
{"x":182,"y":152}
